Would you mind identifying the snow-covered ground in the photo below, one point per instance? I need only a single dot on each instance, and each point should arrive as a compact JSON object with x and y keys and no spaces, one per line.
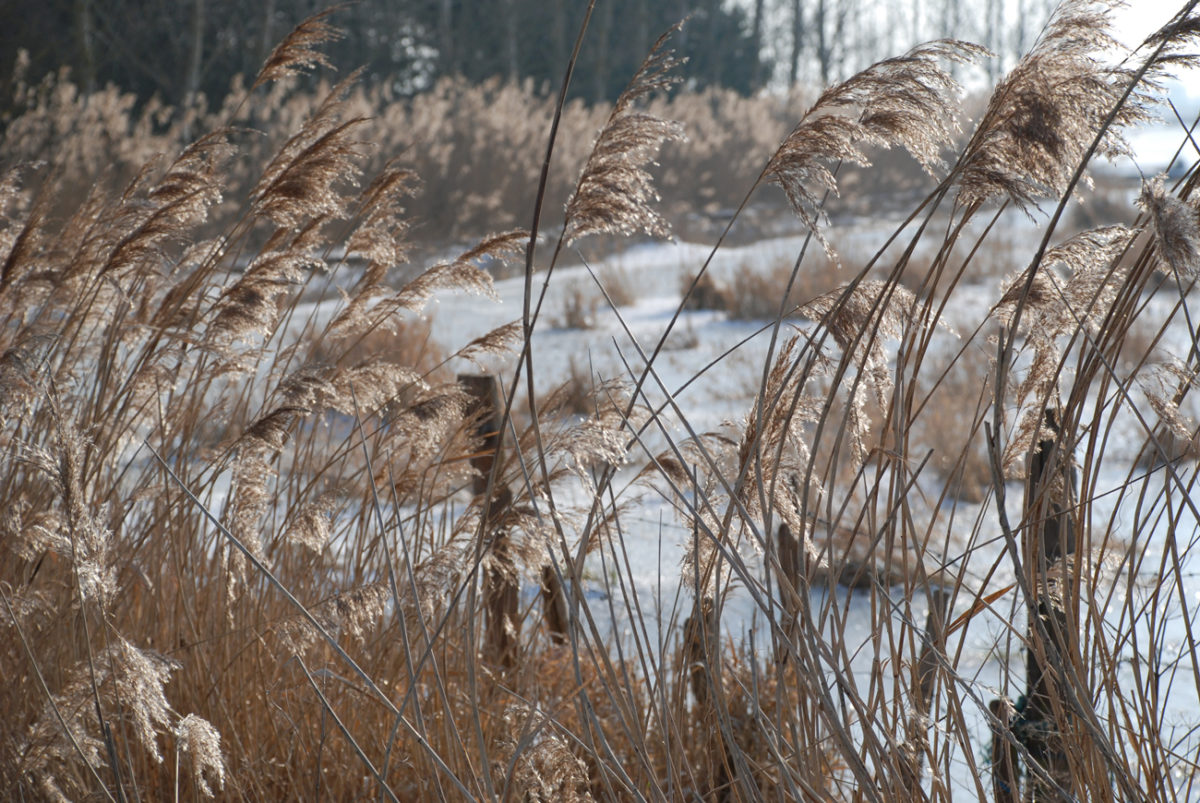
{"x":711,"y":368}
{"x":729,"y":358}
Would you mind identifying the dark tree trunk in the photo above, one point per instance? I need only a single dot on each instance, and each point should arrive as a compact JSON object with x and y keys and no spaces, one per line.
{"x":711,"y":45}
{"x":1049,"y":553}
{"x":85,"y":34}
{"x":511,"y":52}
{"x":797,"y":42}
{"x":757,"y":37}
{"x":266,"y":42}
{"x":191,"y":86}
{"x":445,"y":28}
{"x":820,"y":23}
{"x":603,"y":34}
{"x":558,"y":37}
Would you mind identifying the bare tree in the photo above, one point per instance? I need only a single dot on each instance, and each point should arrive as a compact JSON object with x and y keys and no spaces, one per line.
{"x":266,"y":40}
{"x":951,"y":21}
{"x":993,"y":17}
{"x":603,"y":34}
{"x":511,"y":66}
{"x":797,"y":42}
{"x":85,"y":34}
{"x":829,"y":26}
{"x":757,"y":37}
{"x":559,"y":34}
{"x":445,"y":20}
{"x":711,"y":45}
{"x":195,"y":62}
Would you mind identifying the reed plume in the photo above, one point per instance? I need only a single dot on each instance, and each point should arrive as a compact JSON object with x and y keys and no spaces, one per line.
{"x":773,"y":450}
{"x":200,"y":742}
{"x":1044,"y":115}
{"x":614,"y":192}
{"x":861,"y":318}
{"x":371,"y":306}
{"x":1164,"y":388}
{"x":1175,"y":225}
{"x":1075,"y":297}
{"x":298,"y":50}
{"x":1175,"y":42}
{"x":906,"y":101}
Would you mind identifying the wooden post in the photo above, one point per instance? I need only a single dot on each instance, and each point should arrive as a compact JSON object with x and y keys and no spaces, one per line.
{"x":554,"y":604}
{"x":1049,"y":540}
{"x":916,"y":737}
{"x":699,"y":644}
{"x":501,"y":591}
{"x":791,"y":567}
{"x":1006,"y":784}
{"x":701,"y":649}
{"x":484,"y":406}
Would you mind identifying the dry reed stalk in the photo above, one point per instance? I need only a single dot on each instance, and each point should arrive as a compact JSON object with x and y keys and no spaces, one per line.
{"x":128,"y":325}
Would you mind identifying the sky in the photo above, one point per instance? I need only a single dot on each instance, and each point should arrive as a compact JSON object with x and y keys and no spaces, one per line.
{"x":1142,"y":17}
{"x":1155,"y":145}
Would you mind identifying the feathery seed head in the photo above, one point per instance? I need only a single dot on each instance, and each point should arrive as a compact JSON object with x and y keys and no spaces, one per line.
{"x":1073,"y":287}
{"x":1176,"y":226}
{"x":905,"y":101}
{"x":297,"y":52}
{"x":614,"y":191}
{"x":201,"y":743}
{"x":1045,"y":114}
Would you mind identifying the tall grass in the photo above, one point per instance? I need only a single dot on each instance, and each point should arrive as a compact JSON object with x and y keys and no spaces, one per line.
{"x":261,"y":548}
{"x":475,"y":147}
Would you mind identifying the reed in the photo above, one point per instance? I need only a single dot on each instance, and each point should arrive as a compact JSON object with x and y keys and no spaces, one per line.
{"x":256,"y":547}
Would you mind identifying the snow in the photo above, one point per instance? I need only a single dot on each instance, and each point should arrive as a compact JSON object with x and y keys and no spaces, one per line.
{"x":638,"y":580}
{"x":711,"y":367}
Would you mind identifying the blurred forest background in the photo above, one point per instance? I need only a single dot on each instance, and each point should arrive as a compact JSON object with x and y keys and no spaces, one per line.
{"x":461,"y":93}
{"x":180,"y":50}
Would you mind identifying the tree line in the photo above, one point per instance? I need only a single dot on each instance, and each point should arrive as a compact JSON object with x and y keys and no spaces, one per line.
{"x":178,"y":50}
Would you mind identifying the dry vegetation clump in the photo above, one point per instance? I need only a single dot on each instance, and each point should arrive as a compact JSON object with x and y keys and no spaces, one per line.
{"x":620,"y":286}
{"x":704,"y":292}
{"x":579,"y":306}
{"x":951,"y":424}
{"x":981,"y":258}
{"x":257,"y":548}
{"x":757,"y":295}
{"x":406,"y":342}
{"x":472,"y":145}
{"x":751,"y":294}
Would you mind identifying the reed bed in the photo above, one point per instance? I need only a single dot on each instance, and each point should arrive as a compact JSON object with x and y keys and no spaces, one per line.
{"x":263,"y":546}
